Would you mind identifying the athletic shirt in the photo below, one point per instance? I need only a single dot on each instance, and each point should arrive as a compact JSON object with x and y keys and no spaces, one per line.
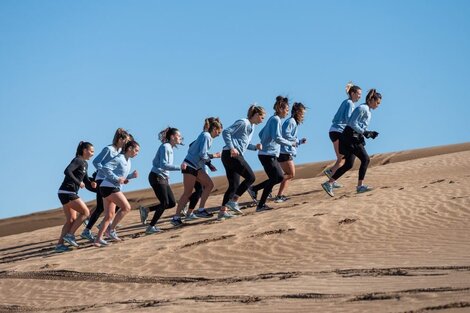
{"x":101,"y":159}
{"x":271,"y":137}
{"x":239,"y":135}
{"x":163,"y":161}
{"x":342,"y":116}
{"x":198,"y":152}
{"x":75,"y":173}
{"x":360,"y":118}
{"x":117,"y":167}
{"x":289,"y":132}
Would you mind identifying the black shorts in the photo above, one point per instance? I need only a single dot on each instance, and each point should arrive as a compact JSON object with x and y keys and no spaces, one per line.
{"x":284,"y":157}
{"x":334,"y":136}
{"x":67,"y":197}
{"x":190,"y":170}
{"x":107,"y":191}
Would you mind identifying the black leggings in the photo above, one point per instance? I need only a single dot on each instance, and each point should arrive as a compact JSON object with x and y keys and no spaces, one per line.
{"x":234,"y":168}
{"x":164,"y":194}
{"x":359,"y":151}
{"x":195,"y":196}
{"x":99,"y":207}
{"x":275,"y":176}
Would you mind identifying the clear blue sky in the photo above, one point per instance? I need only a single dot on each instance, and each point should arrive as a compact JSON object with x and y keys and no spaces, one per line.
{"x":77,"y":70}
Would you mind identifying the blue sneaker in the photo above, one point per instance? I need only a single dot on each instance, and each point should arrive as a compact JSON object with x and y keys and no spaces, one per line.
{"x":87,"y":235}
{"x":70,"y":239}
{"x":232,"y":205}
{"x":191,"y":217}
{"x":176,"y":221}
{"x":363,"y":188}
{"x":224,"y":215}
{"x":144,"y":213}
{"x":328,"y":188}
{"x":336,"y":185}
{"x":203,"y":213}
{"x":152,"y":230}
{"x":61,"y":248}
{"x":112,"y":234}
{"x":328,"y":173}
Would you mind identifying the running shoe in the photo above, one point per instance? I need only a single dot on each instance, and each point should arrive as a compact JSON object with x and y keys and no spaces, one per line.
{"x":253,"y":194}
{"x":328,"y":188}
{"x":112,"y":234}
{"x":61,"y":248}
{"x":69,"y":238}
{"x":263,"y":208}
{"x":152,"y":230}
{"x":336,"y":185}
{"x":270,"y":196}
{"x":224,"y":215}
{"x":87,"y":234}
{"x":203,"y":213}
{"x":363,"y":188}
{"x":232,"y":205}
{"x":191,"y":217}
{"x":101,"y":243}
{"x":144,"y":213}
{"x":176,"y":221}
{"x":280,"y":199}
{"x":328,"y":173}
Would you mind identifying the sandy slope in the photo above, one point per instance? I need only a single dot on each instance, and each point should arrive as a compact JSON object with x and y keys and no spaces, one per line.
{"x":404,"y":247}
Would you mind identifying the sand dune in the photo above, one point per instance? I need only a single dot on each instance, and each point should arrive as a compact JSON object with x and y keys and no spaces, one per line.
{"x":404,"y":247}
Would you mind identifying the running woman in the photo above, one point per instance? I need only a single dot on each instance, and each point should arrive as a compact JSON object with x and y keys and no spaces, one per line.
{"x":159,"y":177}
{"x":75,"y":173}
{"x":117,"y":172}
{"x":288,"y":153}
{"x":237,"y":140}
{"x":351,"y":143}
{"x":193,"y":169}
{"x":271,"y":141}
{"x":120,"y":139}
{"x":340,"y":121}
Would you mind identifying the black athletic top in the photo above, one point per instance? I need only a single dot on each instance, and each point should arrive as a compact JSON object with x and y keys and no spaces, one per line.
{"x":75,"y":173}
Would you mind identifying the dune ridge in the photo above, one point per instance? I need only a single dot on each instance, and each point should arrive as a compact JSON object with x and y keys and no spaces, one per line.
{"x":404,"y":247}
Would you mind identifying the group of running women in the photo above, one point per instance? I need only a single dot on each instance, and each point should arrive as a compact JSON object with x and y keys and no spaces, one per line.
{"x":276,"y":151}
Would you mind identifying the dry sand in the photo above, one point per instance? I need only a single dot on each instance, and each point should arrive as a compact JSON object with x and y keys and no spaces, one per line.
{"x":404,"y":247}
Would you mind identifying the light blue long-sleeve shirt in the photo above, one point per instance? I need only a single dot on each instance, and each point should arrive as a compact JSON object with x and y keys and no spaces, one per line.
{"x":360,"y":118}
{"x":117,"y":167}
{"x":101,"y":159}
{"x":239,"y":135}
{"x":198,"y":152}
{"x":289,"y":132}
{"x":342,"y":116}
{"x":271,"y":137}
{"x":163,"y":161}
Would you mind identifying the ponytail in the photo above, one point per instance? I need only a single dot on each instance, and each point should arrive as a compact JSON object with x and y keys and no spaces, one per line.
{"x":130,"y":144}
{"x":373,"y":95}
{"x":351,"y":88}
{"x":209,"y":123}
{"x":120,"y":133}
{"x":255,"y":109}
{"x":280,"y":104}
{"x":82,"y":146}
{"x":165,"y":135}
{"x":297,"y":112}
